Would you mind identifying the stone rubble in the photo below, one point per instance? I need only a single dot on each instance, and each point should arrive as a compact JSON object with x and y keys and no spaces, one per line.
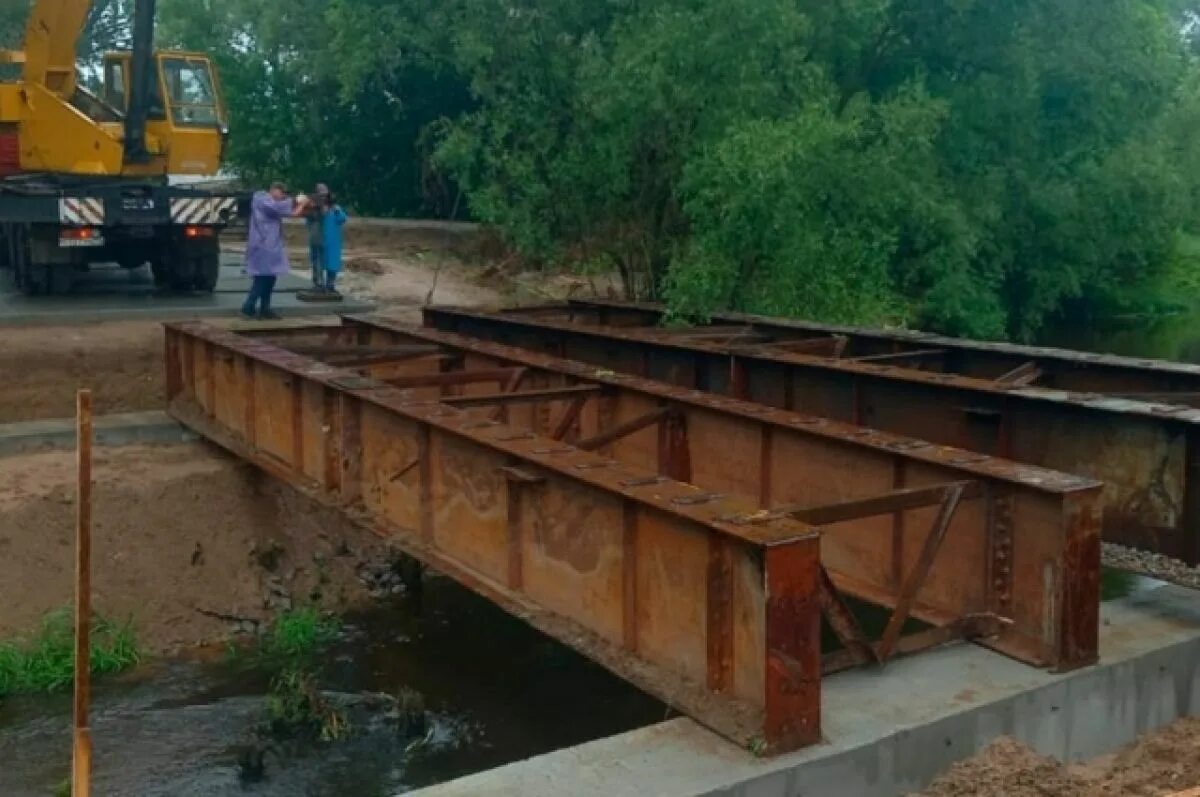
{"x":1149,"y":564}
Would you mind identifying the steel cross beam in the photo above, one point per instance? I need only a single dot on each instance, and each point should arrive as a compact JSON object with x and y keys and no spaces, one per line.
{"x":636,"y":571}
{"x":1015,"y":520}
{"x":1147,"y":455}
{"x":1062,"y":369}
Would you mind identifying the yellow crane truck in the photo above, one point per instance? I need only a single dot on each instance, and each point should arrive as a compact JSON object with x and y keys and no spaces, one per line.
{"x":84,"y":174}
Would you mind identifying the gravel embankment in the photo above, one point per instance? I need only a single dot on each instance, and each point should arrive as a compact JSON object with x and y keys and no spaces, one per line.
{"x":1149,"y":564}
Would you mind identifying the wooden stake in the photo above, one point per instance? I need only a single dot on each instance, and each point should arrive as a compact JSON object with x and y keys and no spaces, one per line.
{"x":82,"y":761}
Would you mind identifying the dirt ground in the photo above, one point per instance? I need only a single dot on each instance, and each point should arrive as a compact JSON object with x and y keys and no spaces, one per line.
{"x":122,"y":361}
{"x":1161,"y":763}
{"x":203,"y":578}
{"x":402,"y":270}
{"x":207,"y":575}
{"x":189,"y":543}
{"x":398,"y":270}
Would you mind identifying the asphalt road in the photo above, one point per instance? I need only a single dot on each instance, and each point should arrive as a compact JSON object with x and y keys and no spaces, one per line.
{"x":109,"y":293}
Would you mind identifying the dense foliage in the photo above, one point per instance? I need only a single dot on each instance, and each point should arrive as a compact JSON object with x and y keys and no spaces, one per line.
{"x":967,"y":165}
{"x":107,"y":26}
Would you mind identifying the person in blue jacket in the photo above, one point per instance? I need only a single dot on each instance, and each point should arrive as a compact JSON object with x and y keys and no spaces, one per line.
{"x":314,"y":213}
{"x":332,"y":221}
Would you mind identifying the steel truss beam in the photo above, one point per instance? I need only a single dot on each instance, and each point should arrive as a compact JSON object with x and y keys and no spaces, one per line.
{"x":1061,"y":369}
{"x":637,"y":571}
{"x":877,"y":493}
{"x":1147,"y":455}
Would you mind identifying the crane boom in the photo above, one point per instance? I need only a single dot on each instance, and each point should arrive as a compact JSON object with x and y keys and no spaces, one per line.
{"x":141,"y":82}
{"x":51,"y":37}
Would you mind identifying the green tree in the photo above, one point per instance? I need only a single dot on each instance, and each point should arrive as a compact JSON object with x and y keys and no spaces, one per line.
{"x":808,"y":215}
{"x":107,"y":26}
{"x":301,"y":112}
{"x":12,"y":25}
{"x":1054,"y":145}
{"x":965,"y":165}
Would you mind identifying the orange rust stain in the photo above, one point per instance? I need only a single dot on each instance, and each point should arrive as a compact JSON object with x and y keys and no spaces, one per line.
{"x":466,"y":480}
{"x":556,"y":526}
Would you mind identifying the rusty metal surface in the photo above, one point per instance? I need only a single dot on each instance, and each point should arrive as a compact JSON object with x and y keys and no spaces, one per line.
{"x":642,"y":573}
{"x":1141,"y":451}
{"x":840,"y":475}
{"x":1064,"y":369}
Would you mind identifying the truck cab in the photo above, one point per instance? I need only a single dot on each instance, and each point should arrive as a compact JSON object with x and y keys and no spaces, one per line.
{"x":185,"y":109}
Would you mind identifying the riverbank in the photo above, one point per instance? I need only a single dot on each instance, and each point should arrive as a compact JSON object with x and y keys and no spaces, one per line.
{"x":189,"y":544}
{"x":200,"y":553}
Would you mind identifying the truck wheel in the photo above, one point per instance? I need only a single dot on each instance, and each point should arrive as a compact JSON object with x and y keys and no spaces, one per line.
{"x":174,"y":277}
{"x":59,"y":279}
{"x":206,"y":269}
{"x":181,"y":279}
{"x":33,"y":280}
{"x":162,"y":276}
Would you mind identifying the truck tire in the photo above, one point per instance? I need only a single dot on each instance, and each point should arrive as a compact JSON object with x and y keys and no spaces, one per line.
{"x":181,"y":280}
{"x":206,"y":268}
{"x":171,"y":272}
{"x":15,"y":261}
{"x":158,"y":270}
{"x":59,"y":279}
{"x":32,"y":280}
{"x":187,"y":266}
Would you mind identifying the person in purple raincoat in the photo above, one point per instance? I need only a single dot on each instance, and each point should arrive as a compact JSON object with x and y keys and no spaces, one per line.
{"x":266,"y":259}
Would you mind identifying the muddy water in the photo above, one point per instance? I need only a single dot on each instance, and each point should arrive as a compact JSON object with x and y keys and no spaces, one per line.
{"x":497,"y":692}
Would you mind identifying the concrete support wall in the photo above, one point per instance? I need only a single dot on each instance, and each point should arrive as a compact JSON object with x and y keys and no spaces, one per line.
{"x":893,"y":731}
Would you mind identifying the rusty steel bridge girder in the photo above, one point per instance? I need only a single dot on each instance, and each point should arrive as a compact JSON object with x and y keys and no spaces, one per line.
{"x":1146,"y":454}
{"x":1112,"y":375}
{"x":1023,"y":548}
{"x":647,"y":576}
{"x":591,"y":505}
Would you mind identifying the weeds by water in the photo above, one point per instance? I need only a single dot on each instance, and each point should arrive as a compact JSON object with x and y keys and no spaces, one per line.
{"x":295,"y":706}
{"x":299,"y":633}
{"x":45,"y":661}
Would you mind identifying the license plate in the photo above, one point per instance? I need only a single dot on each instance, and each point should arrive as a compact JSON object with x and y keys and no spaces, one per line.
{"x":74,"y":243}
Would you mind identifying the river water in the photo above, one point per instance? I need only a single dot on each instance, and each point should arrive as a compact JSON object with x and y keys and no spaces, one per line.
{"x":497,"y":691}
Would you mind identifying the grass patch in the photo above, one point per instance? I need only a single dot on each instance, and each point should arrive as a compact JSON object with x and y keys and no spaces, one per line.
{"x":299,"y":633}
{"x":295,"y":707}
{"x":45,"y":661}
